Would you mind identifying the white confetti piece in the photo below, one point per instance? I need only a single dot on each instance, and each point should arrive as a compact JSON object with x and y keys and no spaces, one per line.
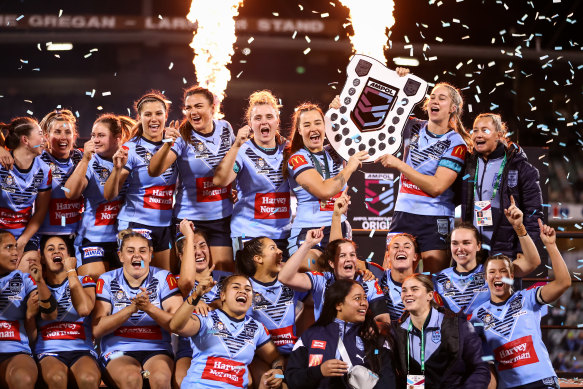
{"x":19,"y":18}
{"x":508,"y":281}
{"x":306,"y":51}
{"x":171,"y":66}
{"x":371,"y":233}
{"x":65,"y":189}
{"x":106,"y":93}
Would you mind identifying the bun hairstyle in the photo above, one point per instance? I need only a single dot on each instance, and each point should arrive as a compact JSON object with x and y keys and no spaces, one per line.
{"x":264,"y":97}
{"x":455,"y":121}
{"x":10,"y":133}
{"x":128,"y":233}
{"x":59,"y":115}
{"x":186,"y":128}
{"x":119,"y":125}
{"x":296,"y":141}
{"x":152,"y":96}
{"x":244,"y":262}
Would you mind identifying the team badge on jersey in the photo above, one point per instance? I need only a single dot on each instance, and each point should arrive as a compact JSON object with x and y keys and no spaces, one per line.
{"x":512,"y":178}
{"x":442,"y":226}
{"x":9,"y":180}
{"x":15,"y":285}
{"x":436,"y":336}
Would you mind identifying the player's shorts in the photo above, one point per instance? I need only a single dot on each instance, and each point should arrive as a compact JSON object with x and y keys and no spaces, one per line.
{"x":6,"y":356}
{"x":69,"y":358}
{"x":89,"y":252}
{"x":298,"y":236}
{"x":159,"y":236}
{"x":140,"y":356}
{"x":217,"y":231}
{"x":184,"y":349}
{"x":545,"y":383}
{"x":431,"y":232}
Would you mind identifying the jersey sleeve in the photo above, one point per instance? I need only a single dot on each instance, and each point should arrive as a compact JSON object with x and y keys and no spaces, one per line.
{"x":86,"y":281}
{"x":531,"y":299}
{"x":178,"y":146}
{"x":262,"y":336}
{"x":132,"y":161}
{"x":299,"y":163}
{"x":300,"y":296}
{"x":169,"y":286}
{"x":47,"y":182}
{"x":29,"y":284}
{"x":102,"y":291}
{"x":89,"y":173}
{"x":238,"y":166}
{"x":318,"y":282}
{"x":204,"y":325}
{"x":376,"y":298}
{"x":453,"y":158}
{"x":212,"y":294}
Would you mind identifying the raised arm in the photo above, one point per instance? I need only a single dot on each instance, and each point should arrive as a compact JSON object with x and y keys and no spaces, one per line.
{"x":188,"y":263}
{"x":83,"y":298}
{"x":47,"y":302}
{"x":313,"y":182}
{"x":118,"y":175}
{"x":340,"y":208}
{"x":41,"y":206}
{"x":77,"y":181}
{"x":224,"y":173}
{"x":554,"y":289}
{"x":163,"y":158}
{"x":289,"y":273}
{"x":524,"y":265}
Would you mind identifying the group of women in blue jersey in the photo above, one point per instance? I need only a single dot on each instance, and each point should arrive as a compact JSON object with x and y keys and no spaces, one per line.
{"x":167,"y":252}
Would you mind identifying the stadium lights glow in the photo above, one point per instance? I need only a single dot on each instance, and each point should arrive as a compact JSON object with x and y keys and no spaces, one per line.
{"x":406,"y":61}
{"x":59,"y":46}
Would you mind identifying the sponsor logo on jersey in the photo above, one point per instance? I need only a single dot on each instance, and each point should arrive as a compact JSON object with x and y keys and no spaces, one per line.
{"x":9,"y":330}
{"x":93,"y":251}
{"x":283,"y":336}
{"x":140,"y":332}
{"x":15,"y":285}
{"x":63,"y":331}
{"x":297,"y":160}
{"x":410,"y":188}
{"x":517,"y":353}
{"x":224,"y":370}
{"x":459,"y":152}
{"x":378,"y":288}
{"x":87,"y":280}
{"x":13,"y":220}
{"x":206,"y":192}
{"x":71,"y":210}
{"x":328,"y":205}
{"x":321,"y":344}
{"x":171,"y":281}
{"x":146,"y":233}
{"x":159,"y":197}
{"x":272,"y":205}
{"x":315,"y":360}
{"x":106,"y":213}
{"x":99,"y":286}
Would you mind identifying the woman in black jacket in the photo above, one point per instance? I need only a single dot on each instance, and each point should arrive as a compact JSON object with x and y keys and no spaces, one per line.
{"x":435,"y":345}
{"x":315,"y":361}
{"x":494,"y":172}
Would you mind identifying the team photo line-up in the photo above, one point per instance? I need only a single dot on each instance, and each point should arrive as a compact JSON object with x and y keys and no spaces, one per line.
{"x":165,"y":254}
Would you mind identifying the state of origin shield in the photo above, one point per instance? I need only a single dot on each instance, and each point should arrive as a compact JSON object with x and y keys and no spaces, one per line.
{"x":376,"y":103}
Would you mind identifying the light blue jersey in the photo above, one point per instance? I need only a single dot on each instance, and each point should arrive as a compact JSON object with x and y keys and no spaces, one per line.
{"x":392,"y":291}
{"x":462,"y":292}
{"x":15,"y":289}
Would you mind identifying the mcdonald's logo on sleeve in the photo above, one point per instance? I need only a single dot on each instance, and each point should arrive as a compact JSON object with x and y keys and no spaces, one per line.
{"x":297,"y":160}
{"x":459,"y":152}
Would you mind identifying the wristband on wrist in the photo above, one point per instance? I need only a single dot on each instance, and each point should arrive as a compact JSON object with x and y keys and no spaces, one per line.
{"x":71,"y":270}
{"x":521,"y":231}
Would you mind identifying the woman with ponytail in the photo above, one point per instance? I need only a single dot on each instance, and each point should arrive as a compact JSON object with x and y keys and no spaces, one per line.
{"x":434,"y":156}
{"x":96,"y":243}
{"x":26,"y":185}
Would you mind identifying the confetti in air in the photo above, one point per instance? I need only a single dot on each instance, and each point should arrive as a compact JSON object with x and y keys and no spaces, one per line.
{"x":213,"y":42}
{"x":370,"y":28}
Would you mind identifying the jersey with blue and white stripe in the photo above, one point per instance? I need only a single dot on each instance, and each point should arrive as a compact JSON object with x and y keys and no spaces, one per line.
{"x":513,"y":335}
{"x":69,"y":331}
{"x":222,"y":350}
{"x":140,"y":332}
{"x":19,"y":191}
{"x":392,"y":291}
{"x":462,"y":292}
{"x":148,"y":199}
{"x":99,"y":219}
{"x":263,"y":208}
{"x":311,"y":212}
{"x":197,"y":158}
{"x":321,"y":282}
{"x":15,"y":289}
{"x":274,"y":305}
{"x":426,"y":152}
{"x":64,"y":215}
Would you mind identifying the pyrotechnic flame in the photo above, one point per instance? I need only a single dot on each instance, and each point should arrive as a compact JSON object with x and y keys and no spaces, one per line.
{"x":213,"y":42}
{"x":370,"y":21}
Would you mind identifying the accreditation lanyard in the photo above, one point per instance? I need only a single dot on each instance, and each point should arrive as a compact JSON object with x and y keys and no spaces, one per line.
{"x":326,"y":173}
{"x":422,"y":356}
{"x":497,"y":180}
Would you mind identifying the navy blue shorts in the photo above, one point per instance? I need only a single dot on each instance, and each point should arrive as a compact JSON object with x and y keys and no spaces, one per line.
{"x":298,"y":236}
{"x":69,"y":358}
{"x":218,"y":231}
{"x":431,"y":232}
{"x":6,"y":356}
{"x":184,"y":349}
{"x":545,"y":383}
{"x":33,"y":243}
{"x":160,"y":236}
{"x":140,"y":356}
{"x":99,"y":252}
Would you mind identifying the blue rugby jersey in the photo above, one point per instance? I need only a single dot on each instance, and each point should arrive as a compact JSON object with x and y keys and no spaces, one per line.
{"x":197,"y":198}
{"x":427,"y":152}
{"x":64,"y":215}
{"x":311,"y":212}
{"x":100,"y":216}
{"x":140,"y":332}
{"x":15,"y":289}
{"x":19,"y":191}
{"x":69,"y":331}
{"x":392,"y":291}
{"x":274,"y":305}
{"x":462,"y":292}
{"x":513,"y":335}
{"x":222,"y":350}
{"x":321,"y":282}
{"x":263,"y":208}
{"x":148,"y":199}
